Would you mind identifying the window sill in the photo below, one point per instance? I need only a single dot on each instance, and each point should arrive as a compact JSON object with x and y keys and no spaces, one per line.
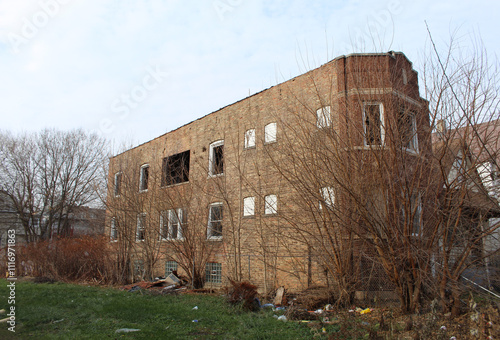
{"x":214,"y":238}
{"x":173,"y":239}
{"x":215,"y":176}
{"x":250,"y":148}
{"x":271,"y":142}
{"x":248,"y":217}
{"x":174,"y":185}
{"x":142,"y":191}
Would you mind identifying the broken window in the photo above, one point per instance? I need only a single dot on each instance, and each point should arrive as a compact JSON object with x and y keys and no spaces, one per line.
{"x":249,"y":206}
{"x":407,"y":127}
{"x":213,"y":272}
{"x":328,"y":195}
{"x":118,"y":183}
{"x":323,"y":118}
{"x":270,"y":204}
{"x":216,"y":158}
{"x":215,"y":221}
{"x":141,"y":227}
{"x":144,"y":177}
{"x":250,"y":138}
{"x":113,"y":234}
{"x":373,"y":120}
{"x":173,"y":222}
{"x":270,"y":133}
{"x":176,"y":168}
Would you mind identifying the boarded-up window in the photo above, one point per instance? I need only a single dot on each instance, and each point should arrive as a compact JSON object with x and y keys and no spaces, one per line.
{"x":270,"y":133}
{"x":270,"y":204}
{"x":118,"y":183}
{"x":250,"y":138}
{"x":323,"y":117}
{"x":249,"y":206}
{"x":141,"y":227}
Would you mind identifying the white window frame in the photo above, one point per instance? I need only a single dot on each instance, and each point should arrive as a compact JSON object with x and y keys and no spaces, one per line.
{"x":270,"y":133}
{"x":143,"y":185}
{"x":118,"y":184}
{"x":210,"y":235}
{"x":270,"y":204}
{"x":382,"y":123}
{"x":211,"y":158}
{"x":141,"y":219}
{"x":113,"y":231}
{"x":323,"y":117}
{"x":413,"y":142}
{"x":167,"y":219}
{"x":328,"y":195}
{"x":250,"y":138}
{"x":248,"y":206}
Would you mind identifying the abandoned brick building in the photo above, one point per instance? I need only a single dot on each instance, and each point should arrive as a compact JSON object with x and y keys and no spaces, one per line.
{"x":258,"y":189}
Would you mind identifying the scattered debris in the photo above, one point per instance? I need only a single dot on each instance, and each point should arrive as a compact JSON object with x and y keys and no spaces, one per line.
{"x":2,"y":311}
{"x":282,"y":318}
{"x":279,"y":300}
{"x":243,"y":292}
{"x":195,"y":308}
{"x":127,"y":330}
{"x":5,"y":320}
{"x":195,"y":321}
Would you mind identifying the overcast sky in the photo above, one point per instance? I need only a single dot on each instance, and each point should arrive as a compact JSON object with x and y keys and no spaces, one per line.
{"x":135,"y":69}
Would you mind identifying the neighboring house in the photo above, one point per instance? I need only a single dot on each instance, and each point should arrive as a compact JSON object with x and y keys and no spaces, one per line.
{"x":222,"y":173}
{"x":479,"y":145}
{"x":9,"y":219}
{"x":81,"y":221}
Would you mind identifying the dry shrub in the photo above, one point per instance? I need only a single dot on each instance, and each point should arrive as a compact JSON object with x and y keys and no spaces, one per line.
{"x":243,"y":292}
{"x":67,"y":259}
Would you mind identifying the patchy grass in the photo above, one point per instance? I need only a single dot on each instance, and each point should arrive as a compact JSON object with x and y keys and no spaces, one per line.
{"x":65,"y":311}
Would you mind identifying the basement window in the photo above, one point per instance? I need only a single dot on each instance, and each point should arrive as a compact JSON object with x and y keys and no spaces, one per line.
{"x":249,"y":206}
{"x":176,"y":168}
{"x":141,"y":227}
{"x":216,"y":158}
{"x":213,"y":272}
{"x":250,"y":139}
{"x":170,"y":266}
{"x":323,"y":117}
{"x":214,"y":230}
{"x":373,"y":121}
{"x":270,"y":133}
{"x":270,"y":204}
{"x":118,"y":183}
{"x":144,"y":178}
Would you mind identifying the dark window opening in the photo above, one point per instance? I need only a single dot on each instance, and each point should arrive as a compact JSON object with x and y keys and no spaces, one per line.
{"x":176,"y":168}
{"x":144,"y":177}
{"x":373,"y":124}
{"x":118,"y":183}
{"x":218,"y":160}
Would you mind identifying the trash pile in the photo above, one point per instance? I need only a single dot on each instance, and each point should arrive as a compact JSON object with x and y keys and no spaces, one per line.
{"x":172,"y":284}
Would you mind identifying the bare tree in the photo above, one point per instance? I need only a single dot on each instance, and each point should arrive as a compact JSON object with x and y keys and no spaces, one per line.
{"x":48,"y":174}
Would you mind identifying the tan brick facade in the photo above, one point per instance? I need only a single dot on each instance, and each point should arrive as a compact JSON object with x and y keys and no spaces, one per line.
{"x":262,"y":248}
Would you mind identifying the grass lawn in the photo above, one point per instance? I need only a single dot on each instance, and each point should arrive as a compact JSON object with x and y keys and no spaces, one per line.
{"x":65,"y":311}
